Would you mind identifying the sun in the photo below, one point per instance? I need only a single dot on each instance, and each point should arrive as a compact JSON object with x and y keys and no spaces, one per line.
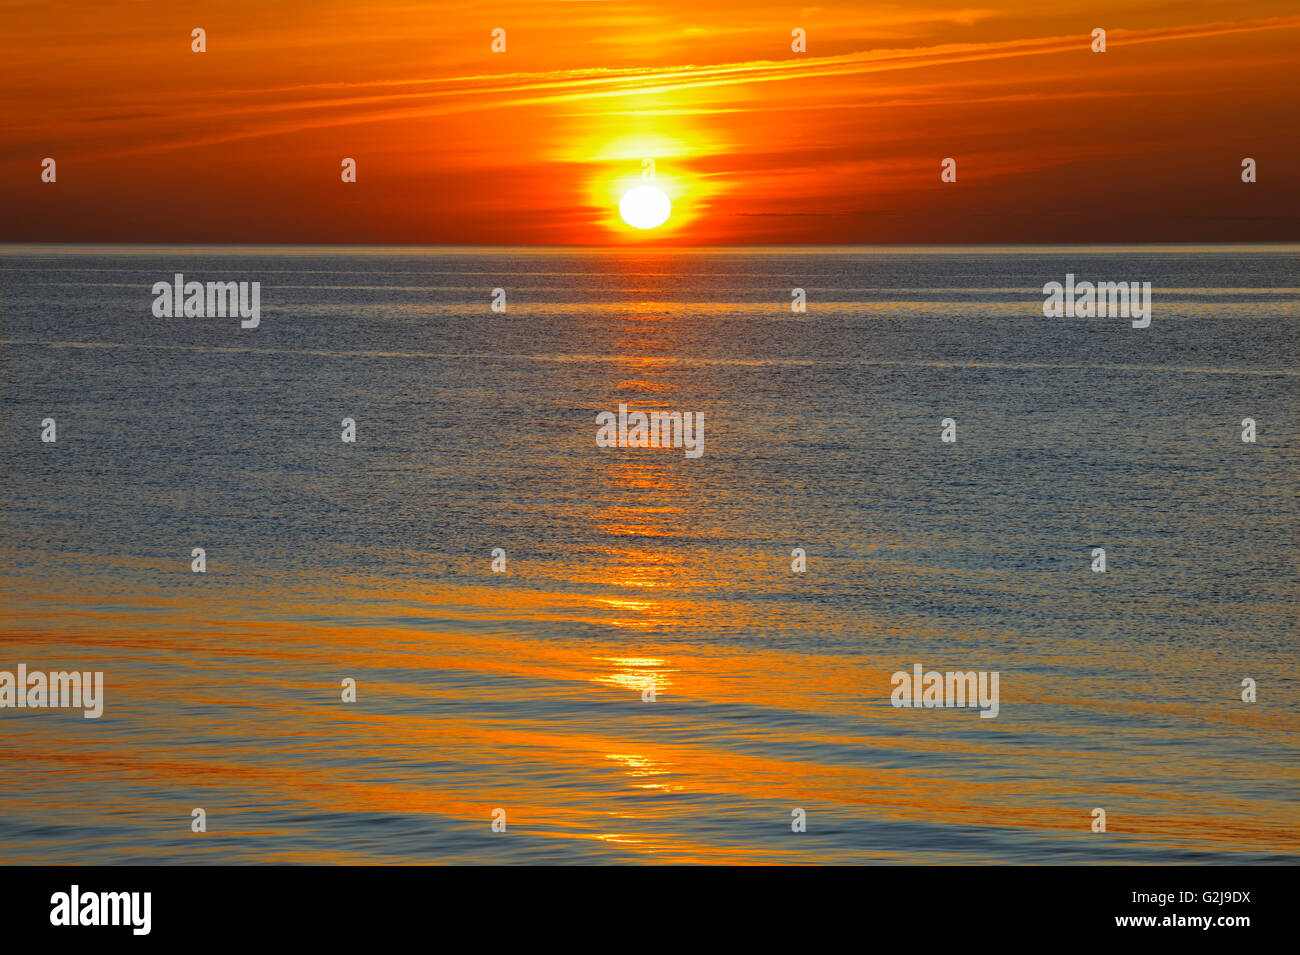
{"x":645,"y":207}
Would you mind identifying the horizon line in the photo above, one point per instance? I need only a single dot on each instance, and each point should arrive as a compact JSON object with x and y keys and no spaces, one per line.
{"x":328,"y":247}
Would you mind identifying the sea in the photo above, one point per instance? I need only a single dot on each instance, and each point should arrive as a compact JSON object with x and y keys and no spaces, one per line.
{"x":475,"y":635}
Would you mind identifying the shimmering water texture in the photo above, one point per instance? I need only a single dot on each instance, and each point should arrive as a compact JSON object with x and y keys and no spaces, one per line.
{"x":636,"y":566}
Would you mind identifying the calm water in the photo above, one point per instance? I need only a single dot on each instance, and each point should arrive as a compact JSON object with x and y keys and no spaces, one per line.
{"x":522,"y":690}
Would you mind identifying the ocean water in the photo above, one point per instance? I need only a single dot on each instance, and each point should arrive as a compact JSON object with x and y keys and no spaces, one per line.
{"x":629,"y":567}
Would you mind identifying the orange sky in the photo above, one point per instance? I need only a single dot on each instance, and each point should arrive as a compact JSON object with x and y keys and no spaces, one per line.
{"x":753,"y":142}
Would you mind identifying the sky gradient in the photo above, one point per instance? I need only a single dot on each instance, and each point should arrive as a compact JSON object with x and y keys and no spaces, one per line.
{"x":753,"y":142}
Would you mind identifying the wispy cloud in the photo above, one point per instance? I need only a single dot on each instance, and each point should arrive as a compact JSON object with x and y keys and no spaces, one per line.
{"x":431,"y":97}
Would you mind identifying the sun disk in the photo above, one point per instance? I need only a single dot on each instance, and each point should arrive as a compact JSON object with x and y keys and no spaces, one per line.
{"x":645,"y":207}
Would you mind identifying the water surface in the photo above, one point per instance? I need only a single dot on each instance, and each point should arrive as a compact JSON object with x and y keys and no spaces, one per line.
{"x":628,"y":567}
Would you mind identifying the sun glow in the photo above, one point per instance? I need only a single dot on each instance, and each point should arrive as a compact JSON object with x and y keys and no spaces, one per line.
{"x":645,"y":207}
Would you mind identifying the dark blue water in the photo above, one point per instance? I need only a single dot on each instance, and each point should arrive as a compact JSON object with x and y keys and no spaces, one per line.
{"x":634,"y":566}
